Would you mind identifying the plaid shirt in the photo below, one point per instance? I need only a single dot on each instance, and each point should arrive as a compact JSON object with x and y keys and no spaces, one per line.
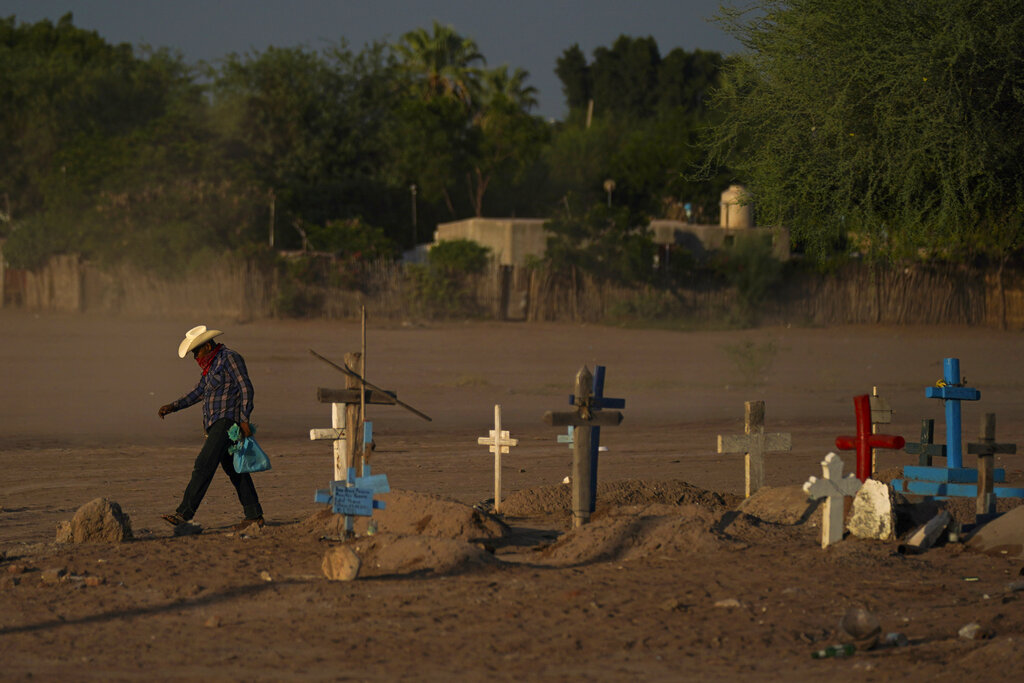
{"x":225,"y":390}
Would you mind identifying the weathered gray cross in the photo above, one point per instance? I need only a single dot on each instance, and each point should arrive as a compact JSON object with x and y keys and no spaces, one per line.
{"x":754,"y":443}
{"x":499,"y":442}
{"x":833,"y":487}
{"x":986,"y":448}
{"x":588,"y":413}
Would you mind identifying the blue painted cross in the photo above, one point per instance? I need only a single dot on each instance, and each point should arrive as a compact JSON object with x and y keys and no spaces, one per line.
{"x":354,"y":496}
{"x":952,"y":392}
{"x":597,"y":402}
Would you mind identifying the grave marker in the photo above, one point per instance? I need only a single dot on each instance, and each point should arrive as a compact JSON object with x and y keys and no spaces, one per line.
{"x":598,"y":401}
{"x":881,"y":414}
{"x":864,"y":441}
{"x":353,"y":496}
{"x":986,"y":448}
{"x":954,"y":479}
{"x":925,"y":450}
{"x":833,"y":487}
{"x":754,"y":443}
{"x":588,"y":413}
{"x":342,"y":400}
{"x":951,"y":390}
{"x":499,"y":442}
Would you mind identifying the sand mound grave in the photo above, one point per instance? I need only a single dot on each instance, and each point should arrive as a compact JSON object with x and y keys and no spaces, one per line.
{"x":389,"y":554}
{"x":410,"y":513}
{"x":557,"y":499}
{"x":641,"y":531}
{"x":782,"y":505}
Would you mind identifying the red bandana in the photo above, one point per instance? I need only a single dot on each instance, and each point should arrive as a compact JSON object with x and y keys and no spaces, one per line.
{"x":207,"y":360}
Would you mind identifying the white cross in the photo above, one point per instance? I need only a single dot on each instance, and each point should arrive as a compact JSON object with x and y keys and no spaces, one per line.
{"x":339,"y":436}
{"x":833,"y":487}
{"x":499,"y":443}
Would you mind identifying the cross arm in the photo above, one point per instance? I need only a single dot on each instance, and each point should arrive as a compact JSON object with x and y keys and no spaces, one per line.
{"x":325,"y":395}
{"x":609,"y":418}
{"x":953,"y":393}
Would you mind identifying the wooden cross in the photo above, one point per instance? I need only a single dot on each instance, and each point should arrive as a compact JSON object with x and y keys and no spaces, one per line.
{"x":985,"y":449}
{"x":346,"y":409}
{"x":865,"y":440}
{"x":952,"y":390}
{"x":754,"y":443}
{"x":587,"y":414}
{"x":499,"y":442}
{"x":833,"y":487}
{"x":926,"y":450}
{"x":598,"y":401}
{"x":353,"y":496}
{"x":881,"y":414}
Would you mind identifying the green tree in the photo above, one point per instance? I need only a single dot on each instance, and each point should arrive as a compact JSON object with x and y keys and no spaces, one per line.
{"x":898,"y":123}
{"x":441,"y":62}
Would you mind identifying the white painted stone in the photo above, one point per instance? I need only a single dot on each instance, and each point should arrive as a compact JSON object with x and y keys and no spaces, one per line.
{"x":873,"y":515}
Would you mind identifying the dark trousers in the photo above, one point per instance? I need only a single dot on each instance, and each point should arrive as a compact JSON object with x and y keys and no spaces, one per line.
{"x":213,"y":453}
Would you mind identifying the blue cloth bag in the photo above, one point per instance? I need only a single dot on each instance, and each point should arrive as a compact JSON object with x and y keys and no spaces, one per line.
{"x":248,"y":456}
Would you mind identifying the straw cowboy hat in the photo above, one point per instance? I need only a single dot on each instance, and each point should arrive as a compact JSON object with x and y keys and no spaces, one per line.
{"x":196,"y":337}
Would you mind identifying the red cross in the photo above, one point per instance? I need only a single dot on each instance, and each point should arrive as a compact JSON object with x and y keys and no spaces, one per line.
{"x":865,"y":440}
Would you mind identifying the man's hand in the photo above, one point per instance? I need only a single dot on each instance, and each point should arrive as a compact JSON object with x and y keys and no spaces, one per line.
{"x":246,"y":430}
{"x":164,"y":410}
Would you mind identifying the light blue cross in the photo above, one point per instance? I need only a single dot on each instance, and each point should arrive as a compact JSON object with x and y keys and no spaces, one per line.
{"x":354,"y":496}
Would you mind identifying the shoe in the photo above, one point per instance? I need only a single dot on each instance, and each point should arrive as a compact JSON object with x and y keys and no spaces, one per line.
{"x":174,"y":519}
{"x":246,"y":523}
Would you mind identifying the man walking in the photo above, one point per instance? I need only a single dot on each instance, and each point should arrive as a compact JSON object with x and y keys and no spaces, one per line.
{"x":226,"y":393}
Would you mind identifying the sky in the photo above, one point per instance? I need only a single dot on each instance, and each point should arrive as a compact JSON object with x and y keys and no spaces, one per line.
{"x":531,"y":34}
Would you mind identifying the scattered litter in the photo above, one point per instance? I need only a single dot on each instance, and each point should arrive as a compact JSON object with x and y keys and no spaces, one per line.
{"x":974,"y":631}
{"x":834,"y":651}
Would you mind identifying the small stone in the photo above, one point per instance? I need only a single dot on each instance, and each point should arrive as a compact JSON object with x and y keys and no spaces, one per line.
{"x":64,"y":534}
{"x":265,"y":575}
{"x":973,"y":631}
{"x":670,"y":605}
{"x":53,"y":575}
{"x":212,"y":622}
{"x":341,"y":564}
{"x":188,"y":529}
{"x":93,"y":581}
{"x":1015,"y":586}
{"x":16,"y":569}
{"x":729,"y":603}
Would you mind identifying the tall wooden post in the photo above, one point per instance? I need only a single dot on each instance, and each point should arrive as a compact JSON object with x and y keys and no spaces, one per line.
{"x":354,"y":417}
{"x":582,"y":498}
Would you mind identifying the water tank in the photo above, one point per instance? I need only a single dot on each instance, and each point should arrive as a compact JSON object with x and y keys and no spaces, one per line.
{"x":735,"y":212}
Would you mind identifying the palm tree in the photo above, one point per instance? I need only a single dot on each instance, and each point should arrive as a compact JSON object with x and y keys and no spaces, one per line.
{"x":500,"y":84}
{"x":442,"y":61}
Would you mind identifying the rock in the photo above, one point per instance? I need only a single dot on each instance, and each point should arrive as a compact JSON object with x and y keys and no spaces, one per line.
{"x":924,"y":536}
{"x":341,"y":564}
{"x":64,"y":534}
{"x":99,"y":520}
{"x":53,"y":575}
{"x":93,"y":581}
{"x":16,"y":569}
{"x":873,"y":515}
{"x":729,"y":603}
{"x":1003,"y":536}
{"x":973,"y":631}
{"x":861,"y":627}
{"x":212,"y":622}
{"x":265,"y":575}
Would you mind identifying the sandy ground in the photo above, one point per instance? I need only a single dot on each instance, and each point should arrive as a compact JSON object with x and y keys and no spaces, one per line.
{"x":668,"y":582}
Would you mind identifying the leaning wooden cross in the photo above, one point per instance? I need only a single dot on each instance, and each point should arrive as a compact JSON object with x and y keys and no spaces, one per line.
{"x":986,"y":448}
{"x":499,"y":442}
{"x":343,"y":399}
{"x":754,"y":443}
{"x":587,"y":414}
{"x":833,"y":487}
